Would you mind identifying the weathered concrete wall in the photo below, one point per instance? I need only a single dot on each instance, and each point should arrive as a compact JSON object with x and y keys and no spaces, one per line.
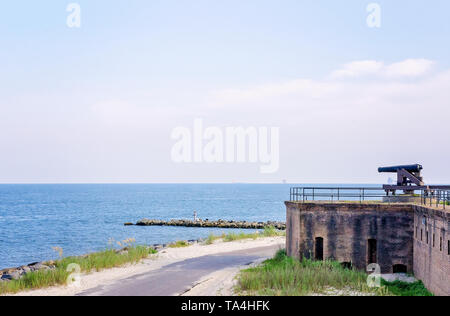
{"x":346,"y":229}
{"x":431,"y":252}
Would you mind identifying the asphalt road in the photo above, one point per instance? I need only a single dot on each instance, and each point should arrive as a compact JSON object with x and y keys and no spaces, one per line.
{"x":177,"y":278}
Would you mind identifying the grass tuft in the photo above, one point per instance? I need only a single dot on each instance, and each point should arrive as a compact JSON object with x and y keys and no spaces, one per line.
{"x":267,"y":232}
{"x":399,"y":288}
{"x":179,"y":244}
{"x":212,"y":238}
{"x":286,"y":276}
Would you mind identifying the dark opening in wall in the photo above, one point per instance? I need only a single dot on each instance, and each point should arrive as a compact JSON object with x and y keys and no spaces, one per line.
{"x":319,"y":249}
{"x":372,"y":251}
{"x":400,"y":268}
{"x":347,"y":265}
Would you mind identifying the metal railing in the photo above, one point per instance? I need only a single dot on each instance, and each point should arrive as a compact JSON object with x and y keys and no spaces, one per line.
{"x":436,"y":198}
{"x":336,"y":194}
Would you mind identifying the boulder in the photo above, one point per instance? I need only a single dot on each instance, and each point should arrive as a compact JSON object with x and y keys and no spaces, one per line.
{"x":26,"y":269}
{"x":15,"y":275}
{"x":6,"y":277}
{"x":39,"y":267}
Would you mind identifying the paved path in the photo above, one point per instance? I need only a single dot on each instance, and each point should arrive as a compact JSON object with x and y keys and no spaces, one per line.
{"x":177,"y":278}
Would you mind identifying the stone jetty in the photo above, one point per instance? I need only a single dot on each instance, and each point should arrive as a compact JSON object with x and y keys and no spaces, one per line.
{"x":17,"y":273}
{"x":211,"y":224}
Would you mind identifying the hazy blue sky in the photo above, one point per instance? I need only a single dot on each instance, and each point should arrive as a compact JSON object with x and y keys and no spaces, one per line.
{"x":99,"y":103}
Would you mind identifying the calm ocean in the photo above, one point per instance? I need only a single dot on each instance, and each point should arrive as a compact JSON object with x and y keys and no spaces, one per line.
{"x":83,"y":218}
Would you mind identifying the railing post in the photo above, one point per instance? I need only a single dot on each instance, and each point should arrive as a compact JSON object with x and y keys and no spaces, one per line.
{"x":446,"y":199}
{"x":437,"y":199}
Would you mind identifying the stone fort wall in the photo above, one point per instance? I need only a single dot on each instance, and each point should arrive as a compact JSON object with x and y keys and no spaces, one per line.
{"x":360,"y":234}
{"x":432,"y":249}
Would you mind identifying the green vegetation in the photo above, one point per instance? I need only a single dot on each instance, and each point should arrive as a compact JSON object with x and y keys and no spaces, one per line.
{"x":267,"y":232}
{"x":399,"y":288}
{"x":212,"y":238}
{"x":239,"y":236}
{"x":272,"y":232}
{"x":107,"y":259}
{"x":285,"y":276}
{"x":179,"y":244}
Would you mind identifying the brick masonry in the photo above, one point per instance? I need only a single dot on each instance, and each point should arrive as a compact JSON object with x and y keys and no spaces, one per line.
{"x":431,"y":249}
{"x":347,"y":227}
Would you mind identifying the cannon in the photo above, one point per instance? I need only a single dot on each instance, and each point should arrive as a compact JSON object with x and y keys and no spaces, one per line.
{"x":410,"y":168}
{"x":409,"y":178}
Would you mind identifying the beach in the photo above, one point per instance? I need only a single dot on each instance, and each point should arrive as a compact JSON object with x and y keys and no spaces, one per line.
{"x":197,"y":270}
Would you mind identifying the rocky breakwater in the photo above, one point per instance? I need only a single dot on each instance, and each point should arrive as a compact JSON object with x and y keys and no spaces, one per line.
{"x":211,"y":224}
{"x":10,"y":274}
{"x":17,"y":273}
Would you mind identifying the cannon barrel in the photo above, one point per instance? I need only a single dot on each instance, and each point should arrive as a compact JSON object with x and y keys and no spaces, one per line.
{"x":409,"y":168}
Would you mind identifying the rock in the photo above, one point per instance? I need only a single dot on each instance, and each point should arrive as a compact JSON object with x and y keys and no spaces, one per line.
{"x":128,"y":224}
{"x":15,"y":275}
{"x":26,"y":269}
{"x":39,"y":267}
{"x":6,"y":277}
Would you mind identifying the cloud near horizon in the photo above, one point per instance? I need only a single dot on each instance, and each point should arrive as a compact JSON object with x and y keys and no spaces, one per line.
{"x":382,"y":85}
{"x":404,"y":69}
{"x":390,"y":117}
{"x":379,"y":120}
{"x":398,"y":114}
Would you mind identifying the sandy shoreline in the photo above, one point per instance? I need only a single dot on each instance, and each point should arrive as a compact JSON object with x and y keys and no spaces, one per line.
{"x":217,"y":283}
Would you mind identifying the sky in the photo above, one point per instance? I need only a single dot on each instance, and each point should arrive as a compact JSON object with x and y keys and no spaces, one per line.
{"x":100,"y":103}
